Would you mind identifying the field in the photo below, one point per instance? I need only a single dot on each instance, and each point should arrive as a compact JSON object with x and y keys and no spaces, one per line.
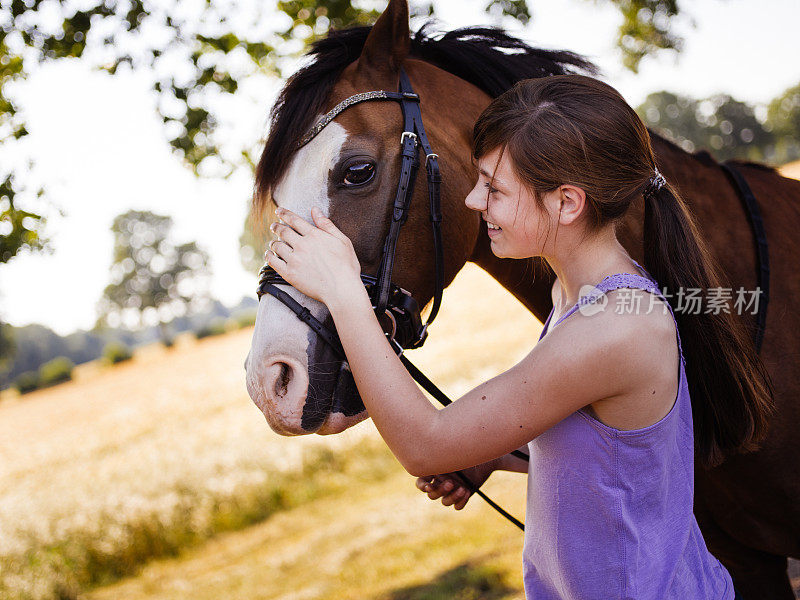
{"x":159,"y":454}
{"x":159,"y":478}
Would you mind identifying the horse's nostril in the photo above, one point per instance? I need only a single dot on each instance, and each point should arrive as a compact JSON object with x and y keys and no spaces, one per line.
{"x":282,"y":381}
{"x":286,"y":379}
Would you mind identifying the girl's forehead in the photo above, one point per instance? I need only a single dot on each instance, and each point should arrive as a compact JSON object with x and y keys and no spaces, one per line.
{"x":500,"y":170}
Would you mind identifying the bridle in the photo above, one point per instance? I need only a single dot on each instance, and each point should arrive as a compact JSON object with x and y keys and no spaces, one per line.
{"x":395,"y":307}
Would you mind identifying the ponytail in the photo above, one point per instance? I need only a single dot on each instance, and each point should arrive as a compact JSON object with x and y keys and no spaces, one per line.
{"x":732,"y":395}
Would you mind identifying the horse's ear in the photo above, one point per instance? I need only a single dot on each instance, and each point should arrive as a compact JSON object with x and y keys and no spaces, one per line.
{"x":389,"y":41}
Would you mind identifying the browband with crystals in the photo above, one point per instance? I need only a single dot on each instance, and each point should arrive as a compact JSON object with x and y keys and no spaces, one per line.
{"x":355,"y":99}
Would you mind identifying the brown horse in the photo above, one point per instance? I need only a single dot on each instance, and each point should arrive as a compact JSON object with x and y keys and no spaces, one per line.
{"x":748,"y":507}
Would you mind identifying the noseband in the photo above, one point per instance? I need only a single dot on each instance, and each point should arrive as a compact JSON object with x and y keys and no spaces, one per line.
{"x":395,"y":307}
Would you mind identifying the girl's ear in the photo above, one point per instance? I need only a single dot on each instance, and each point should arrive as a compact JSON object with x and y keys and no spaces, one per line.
{"x":572,"y":200}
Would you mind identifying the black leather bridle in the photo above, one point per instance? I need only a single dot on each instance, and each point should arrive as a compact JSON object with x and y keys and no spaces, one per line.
{"x":396,"y":309}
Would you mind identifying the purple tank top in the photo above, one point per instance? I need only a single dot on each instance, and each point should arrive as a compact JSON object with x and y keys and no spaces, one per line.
{"x":609,"y":512}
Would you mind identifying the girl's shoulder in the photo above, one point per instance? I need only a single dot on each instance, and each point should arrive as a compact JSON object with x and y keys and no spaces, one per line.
{"x":649,"y":360}
{"x":637,"y":348}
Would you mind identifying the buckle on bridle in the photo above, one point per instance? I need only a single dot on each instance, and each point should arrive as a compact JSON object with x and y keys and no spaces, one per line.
{"x":430,"y":156}
{"x":388,"y":313}
{"x":409,"y":134}
{"x":398,"y":349}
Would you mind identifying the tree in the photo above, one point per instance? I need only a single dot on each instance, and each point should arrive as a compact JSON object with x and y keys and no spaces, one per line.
{"x":200,"y":54}
{"x":7,"y":346}
{"x":152,"y":278}
{"x":721,"y":124}
{"x":783,"y":118}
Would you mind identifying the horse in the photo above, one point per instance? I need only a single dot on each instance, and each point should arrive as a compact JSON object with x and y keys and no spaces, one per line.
{"x":746,"y":507}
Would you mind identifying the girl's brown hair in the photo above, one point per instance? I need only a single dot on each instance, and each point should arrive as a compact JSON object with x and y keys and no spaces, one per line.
{"x":578,"y":130}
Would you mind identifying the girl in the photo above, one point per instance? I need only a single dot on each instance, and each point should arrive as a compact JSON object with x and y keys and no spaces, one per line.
{"x":602,"y":402}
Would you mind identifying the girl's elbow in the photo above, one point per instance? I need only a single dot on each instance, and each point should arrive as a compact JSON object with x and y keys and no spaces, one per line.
{"x":416,"y":467}
{"x":419,"y":464}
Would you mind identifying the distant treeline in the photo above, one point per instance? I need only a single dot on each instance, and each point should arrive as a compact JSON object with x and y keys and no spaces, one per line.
{"x":36,"y":344}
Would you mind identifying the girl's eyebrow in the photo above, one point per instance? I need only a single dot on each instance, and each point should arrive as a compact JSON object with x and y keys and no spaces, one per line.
{"x":489,"y":177}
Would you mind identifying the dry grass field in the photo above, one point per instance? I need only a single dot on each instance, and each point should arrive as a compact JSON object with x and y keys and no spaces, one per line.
{"x":139,"y":460}
{"x":791,"y":170}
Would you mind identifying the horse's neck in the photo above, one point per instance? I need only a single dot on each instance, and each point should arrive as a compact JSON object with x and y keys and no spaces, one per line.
{"x":517,"y":277}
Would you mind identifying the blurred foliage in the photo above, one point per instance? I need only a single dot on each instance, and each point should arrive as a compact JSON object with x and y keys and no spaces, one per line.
{"x":116,"y":352}
{"x":149,"y":272}
{"x":19,"y":229}
{"x":36,"y":344}
{"x":647,"y":27}
{"x":200,"y":52}
{"x":55,"y":371}
{"x":7,"y":346}
{"x":27,"y":382}
{"x":783,"y":117}
{"x":216,"y":326}
{"x":253,"y":241}
{"x":727,"y":127}
{"x":244,"y":318}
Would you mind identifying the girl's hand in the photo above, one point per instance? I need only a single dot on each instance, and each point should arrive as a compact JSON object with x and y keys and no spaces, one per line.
{"x":451,"y":489}
{"x":317,"y":259}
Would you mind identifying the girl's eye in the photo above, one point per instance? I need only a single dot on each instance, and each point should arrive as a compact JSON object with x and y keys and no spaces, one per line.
{"x":490,"y":188}
{"x":359,"y":174}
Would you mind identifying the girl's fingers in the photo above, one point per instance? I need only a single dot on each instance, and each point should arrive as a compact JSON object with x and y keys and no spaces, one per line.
{"x":275,"y":261}
{"x":439,"y":488}
{"x":453,"y":497}
{"x":463,"y":502}
{"x":296,"y":222}
{"x":285,"y":233}
{"x":451,"y":493}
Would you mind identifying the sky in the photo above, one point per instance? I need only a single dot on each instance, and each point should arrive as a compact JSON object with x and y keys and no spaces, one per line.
{"x":100,"y":147}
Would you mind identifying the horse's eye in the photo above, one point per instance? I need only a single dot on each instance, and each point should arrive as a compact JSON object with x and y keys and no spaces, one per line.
{"x":359,"y":173}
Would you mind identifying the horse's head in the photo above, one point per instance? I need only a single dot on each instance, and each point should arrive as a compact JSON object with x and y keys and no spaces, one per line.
{"x":350,"y":170}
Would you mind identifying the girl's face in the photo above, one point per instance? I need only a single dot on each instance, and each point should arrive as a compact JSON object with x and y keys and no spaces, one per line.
{"x":516,"y":226}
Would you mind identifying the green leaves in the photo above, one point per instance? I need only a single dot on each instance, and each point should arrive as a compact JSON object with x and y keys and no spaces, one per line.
{"x":646,"y":29}
{"x":727,"y":127}
{"x":19,"y":229}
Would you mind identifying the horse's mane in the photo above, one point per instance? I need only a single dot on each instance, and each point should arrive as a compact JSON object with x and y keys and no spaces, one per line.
{"x":486,"y":57}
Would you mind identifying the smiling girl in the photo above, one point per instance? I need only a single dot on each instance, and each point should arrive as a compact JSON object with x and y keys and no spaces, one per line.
{"x":612,"y":404}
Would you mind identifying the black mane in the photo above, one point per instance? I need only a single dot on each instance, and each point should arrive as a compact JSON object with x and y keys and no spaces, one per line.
{"x":486,"y":57}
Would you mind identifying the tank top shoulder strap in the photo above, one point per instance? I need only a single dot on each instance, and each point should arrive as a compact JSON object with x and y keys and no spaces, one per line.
{"x":613,"y":282}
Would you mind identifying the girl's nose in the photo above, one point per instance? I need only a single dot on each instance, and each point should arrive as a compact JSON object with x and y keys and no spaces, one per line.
{"x":475,"y":200}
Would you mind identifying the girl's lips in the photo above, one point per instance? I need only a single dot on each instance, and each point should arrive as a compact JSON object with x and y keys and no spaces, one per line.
{"x":493,"y":232}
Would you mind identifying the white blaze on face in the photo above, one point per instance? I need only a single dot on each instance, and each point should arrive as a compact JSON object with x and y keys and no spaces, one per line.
{"x":278,"y":331}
